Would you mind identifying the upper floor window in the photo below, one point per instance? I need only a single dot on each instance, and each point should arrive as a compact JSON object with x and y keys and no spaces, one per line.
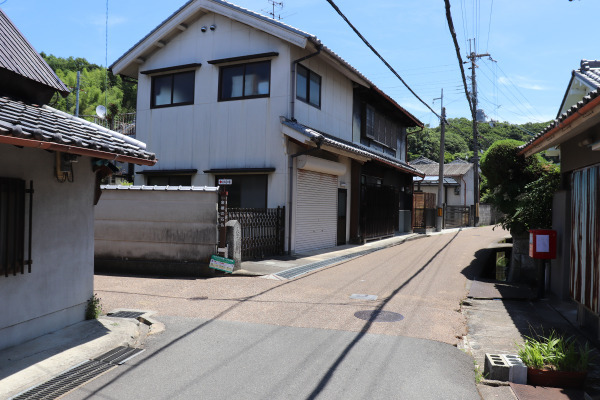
{"x":173,"y":89}
{"x":308,"y":86}
{"x":245,"y":81}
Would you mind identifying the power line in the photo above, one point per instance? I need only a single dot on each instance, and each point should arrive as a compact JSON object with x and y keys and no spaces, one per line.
{"x":487,"y":44}
{"x":457,"y":48}
{"x":335,"y":7}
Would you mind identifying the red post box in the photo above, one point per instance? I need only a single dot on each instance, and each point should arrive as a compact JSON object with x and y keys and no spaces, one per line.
{"x":542,"y":244}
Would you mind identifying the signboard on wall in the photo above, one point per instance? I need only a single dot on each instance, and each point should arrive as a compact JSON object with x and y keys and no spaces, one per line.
{"x":225,"y":182}
{"x":222,"y":264}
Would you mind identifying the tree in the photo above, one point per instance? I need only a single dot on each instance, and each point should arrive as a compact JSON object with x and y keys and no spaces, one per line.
{"x":520,"y":187}
{"x":97,"y":87}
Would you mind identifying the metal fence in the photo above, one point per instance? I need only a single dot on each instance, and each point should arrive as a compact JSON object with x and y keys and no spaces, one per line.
{"x":122,"y":123}
{"x":263,"y":231}
{"x":458,"y":216}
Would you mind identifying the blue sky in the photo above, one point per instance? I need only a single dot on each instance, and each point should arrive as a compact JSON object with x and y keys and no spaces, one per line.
{"x":536,"y":43}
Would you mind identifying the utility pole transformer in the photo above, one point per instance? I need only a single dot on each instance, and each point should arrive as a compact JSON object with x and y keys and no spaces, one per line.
{"x":473,"y":56}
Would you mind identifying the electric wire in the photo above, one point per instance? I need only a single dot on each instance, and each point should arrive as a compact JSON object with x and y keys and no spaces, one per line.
{"x":335,"y":7}
{"x":106,"y":61}
{"x":487,"y":44}
{"x":457,"y":48}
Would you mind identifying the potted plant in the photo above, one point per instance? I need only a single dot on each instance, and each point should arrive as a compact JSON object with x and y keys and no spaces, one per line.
{"x":555,"y":361}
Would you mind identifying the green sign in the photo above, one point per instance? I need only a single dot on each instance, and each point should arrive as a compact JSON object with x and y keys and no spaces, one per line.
{"x":222,"y":264}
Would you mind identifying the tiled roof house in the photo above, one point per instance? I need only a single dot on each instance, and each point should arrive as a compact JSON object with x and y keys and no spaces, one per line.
{"x":227,"y":93}
{"x":575,"y":215}
{"x":51,"y":164}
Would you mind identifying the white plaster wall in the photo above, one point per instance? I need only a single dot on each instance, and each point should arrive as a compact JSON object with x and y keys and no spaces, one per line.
{"x":177,"y":226}
{"x":55,"y":293}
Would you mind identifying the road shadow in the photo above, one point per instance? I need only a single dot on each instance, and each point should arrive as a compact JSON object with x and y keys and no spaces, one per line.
{"x":25,"y":355}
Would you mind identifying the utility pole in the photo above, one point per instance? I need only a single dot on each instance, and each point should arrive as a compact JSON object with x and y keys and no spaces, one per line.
{"x":77,"y":95}
{"x":473,"y":56}
{"x":439,"y":222}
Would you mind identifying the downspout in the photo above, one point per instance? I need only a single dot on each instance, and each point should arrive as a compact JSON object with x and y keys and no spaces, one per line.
{"x":462,"y":178}
{"x":293,"y":91}
{"x":319,"y":142}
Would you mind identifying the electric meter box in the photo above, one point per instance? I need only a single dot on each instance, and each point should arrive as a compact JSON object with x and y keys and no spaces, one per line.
{"x":542,"y":244}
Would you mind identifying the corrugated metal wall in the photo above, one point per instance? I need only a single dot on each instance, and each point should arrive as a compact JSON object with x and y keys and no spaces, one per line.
{"x":585,"y":246}
{"x":316,"y":211}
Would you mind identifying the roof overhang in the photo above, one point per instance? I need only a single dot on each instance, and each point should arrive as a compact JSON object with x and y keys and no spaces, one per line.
{"x":582,"y":118}
{"x":39,"y":144}
{"x":313,"y":138}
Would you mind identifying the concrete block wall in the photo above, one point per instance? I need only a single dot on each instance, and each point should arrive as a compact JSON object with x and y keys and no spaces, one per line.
{"x":156,"y":230}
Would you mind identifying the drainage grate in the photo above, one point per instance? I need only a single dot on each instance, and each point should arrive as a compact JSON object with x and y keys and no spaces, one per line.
{"x":127,"y":314}
{"x":80,"y":375}
{"x":379,"y":316}
{"x":66,"y":382}
{"x":119,"y":355}
{"x":303,"y":269}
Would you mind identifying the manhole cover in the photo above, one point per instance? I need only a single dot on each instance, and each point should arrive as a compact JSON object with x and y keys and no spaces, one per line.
{"x":378,"y":316}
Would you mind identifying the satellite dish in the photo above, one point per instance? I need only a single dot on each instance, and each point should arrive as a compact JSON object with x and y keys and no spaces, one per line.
{"x":101,"y":111}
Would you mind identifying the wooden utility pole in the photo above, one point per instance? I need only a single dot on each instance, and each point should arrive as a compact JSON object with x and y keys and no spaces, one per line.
{"x":473,"y":56}
{"x":439,"y":223}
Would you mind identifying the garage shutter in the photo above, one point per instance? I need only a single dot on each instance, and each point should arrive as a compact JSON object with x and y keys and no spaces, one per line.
{"x":316,"y":211}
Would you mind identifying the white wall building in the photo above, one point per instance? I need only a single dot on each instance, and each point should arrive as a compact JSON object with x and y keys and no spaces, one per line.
{"x":50,"y":167}
{"x":224,"y":92}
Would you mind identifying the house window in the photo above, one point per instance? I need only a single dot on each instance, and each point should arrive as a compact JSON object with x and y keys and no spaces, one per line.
{"x":308,"y":86}
{"x":245,"y":81}
{"x":173,"y":89}
{"x":169,"y":180}
{"x":246,"y":191}
{"x":12,"y":226}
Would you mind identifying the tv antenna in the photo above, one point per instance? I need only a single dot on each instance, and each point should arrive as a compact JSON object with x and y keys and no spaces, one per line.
{"x":101,"y":111}
{"x":279,"y":5}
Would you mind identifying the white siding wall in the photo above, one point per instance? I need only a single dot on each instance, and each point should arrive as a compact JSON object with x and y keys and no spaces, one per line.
{"x":54,"y":295}
{"x":211,"y":134}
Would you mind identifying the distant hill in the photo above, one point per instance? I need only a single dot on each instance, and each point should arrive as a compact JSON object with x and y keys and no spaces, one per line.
{"x":119,"y":98}
{"x":459,"y":138}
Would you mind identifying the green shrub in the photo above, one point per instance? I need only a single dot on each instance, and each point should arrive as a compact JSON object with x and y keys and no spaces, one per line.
{"x":555,"y":352}
{"x":94,"y":308}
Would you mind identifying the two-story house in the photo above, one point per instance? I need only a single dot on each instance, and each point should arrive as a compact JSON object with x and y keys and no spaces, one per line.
{"x":226,"y":93}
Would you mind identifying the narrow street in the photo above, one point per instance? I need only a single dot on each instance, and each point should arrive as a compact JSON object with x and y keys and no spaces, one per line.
{"x":306,"y":338}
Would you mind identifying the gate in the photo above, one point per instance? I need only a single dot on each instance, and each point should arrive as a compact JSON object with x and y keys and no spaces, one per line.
{"x":424,"y":210}
{"x":379,"y":211}
{"x":263,"y":231}
{"x":458,"y":216}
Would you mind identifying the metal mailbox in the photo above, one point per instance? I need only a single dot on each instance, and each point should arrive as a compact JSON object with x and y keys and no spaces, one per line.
{"x":542,"y":244}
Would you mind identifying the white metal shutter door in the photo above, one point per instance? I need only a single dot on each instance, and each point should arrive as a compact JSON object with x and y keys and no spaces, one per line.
{"x":316,"y":211}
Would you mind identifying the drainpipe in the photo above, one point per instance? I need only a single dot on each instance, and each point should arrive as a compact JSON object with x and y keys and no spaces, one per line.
{"x":293,"y":91}
{"x":319,"y":142}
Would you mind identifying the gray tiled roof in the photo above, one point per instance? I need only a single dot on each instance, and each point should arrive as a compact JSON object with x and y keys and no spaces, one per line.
{"x":589,"y":72}
{"x":17,"y":55}
{"x":573,"y":110}
{"x":47,"y":124}
{"x":355,"y":148}
{"x":422,"y":160}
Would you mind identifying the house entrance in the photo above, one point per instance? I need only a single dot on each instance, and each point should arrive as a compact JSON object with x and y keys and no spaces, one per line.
{"x":341,"y":222}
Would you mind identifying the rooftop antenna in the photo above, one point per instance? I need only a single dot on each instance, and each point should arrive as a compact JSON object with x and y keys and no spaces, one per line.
{"x":278,"y":4}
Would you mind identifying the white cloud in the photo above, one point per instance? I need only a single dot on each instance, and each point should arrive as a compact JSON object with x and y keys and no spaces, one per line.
{"x":522,"y":82}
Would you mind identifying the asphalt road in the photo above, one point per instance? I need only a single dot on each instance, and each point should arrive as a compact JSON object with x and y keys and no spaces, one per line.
{"x":254,"y":338}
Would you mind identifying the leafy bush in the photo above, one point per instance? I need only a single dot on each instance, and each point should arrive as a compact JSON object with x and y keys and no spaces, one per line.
{"x":521,"y":188}
{"x":555,"y":352}
{"x":94,"y":308}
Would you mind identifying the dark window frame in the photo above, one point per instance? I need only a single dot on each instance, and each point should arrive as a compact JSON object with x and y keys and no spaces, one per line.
{"x":243,"y":96}
{"x":13,"y":217}
{"x":171,"y":104}
{"x":309,"y":73}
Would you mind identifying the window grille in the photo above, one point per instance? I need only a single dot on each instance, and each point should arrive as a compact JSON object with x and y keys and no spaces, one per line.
{"x":12,"y":226}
